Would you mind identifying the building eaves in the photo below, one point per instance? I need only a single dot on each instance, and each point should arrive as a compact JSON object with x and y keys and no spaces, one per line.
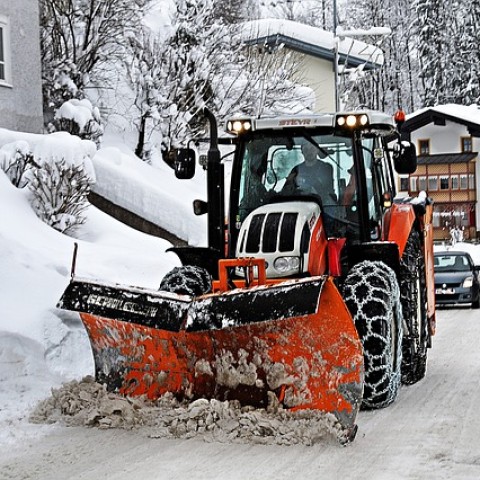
{"x":432,"y":115}
{"x":312,"y":41}
{"x":445,"y":158}
{"x":317,"y":51}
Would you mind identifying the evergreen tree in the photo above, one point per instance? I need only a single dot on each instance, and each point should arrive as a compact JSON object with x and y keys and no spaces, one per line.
{"x":236,"y":11}
{"x":392,"y":86}
{"x":467,"y":86}
{"x":433,"y":49}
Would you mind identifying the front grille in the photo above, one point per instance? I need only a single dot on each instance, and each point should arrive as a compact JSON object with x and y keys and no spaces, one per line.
{"x":263,"y":233}
{"x":270,"y":232}
{"x":287,"y":233}
{"x":254,"y":234}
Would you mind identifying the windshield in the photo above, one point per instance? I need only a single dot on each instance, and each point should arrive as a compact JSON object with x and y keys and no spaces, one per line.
{"x":319,"y":167}
{"x":451,"y":263}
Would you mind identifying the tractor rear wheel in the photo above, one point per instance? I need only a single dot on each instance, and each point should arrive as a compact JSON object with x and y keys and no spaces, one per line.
{"x":414,"y":305}
{"x":372,"y":295}
{"x":187,"y":280}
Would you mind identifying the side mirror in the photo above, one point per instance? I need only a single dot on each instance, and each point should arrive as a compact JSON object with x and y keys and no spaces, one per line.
{"x":183,"y":161}
{"x":405,"y":157}
{"x":200,"y":207}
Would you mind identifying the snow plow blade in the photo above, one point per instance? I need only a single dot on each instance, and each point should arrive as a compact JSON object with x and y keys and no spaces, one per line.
{"x":295,"y":340}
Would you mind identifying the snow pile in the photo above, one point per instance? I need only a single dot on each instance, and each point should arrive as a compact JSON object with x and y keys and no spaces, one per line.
{"x":154,"y":194}
{"x":87,"y":403}
{"x":40,"y":346}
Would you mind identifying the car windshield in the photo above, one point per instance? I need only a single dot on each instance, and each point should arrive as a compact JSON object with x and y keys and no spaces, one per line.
{"x":451,"y":263}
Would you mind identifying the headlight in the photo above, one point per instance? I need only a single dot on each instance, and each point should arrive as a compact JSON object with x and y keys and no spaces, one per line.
{"x":352,"y":120}
{"x":239,"y":126}
{"x":287,"y":264}
{"x":468,"y":282}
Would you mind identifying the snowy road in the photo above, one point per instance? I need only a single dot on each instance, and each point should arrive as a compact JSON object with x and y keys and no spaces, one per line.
{"x":432,"y":431}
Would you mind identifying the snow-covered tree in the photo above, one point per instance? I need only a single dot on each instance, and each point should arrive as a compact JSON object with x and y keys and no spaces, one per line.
{"x":466,"y":89}
{"x":433,"y":34}
{"x":236,"y":11}
{"x":171,"y":74}
{"x":392,"y":86}
{"x":78,"y":39}
{"x":318,"y":13}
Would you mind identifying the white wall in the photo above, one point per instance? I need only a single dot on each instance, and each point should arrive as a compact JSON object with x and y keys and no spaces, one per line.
{"x":319,"y":75}
{"x":21,"y":100}
{"x":443,"y":139}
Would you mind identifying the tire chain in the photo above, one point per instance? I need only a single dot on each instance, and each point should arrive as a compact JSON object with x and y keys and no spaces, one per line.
{"x":411,"y":268}
{"x":372,"y":295}
{"x":187,"y":280}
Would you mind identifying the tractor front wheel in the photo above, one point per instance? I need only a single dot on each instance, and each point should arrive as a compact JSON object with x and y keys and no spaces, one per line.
{"x":372,"y":295}
{"x":187,"y":280}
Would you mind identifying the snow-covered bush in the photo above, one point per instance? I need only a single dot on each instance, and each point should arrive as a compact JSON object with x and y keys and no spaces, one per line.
{"x":61,"y":180}
{"x":81,"y":118}
{"x":15,"y":159}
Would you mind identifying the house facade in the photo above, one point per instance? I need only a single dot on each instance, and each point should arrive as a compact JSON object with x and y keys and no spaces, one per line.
{"x":315,"y":53}
{"x":20,"y":66}
{"x":447,"y":138}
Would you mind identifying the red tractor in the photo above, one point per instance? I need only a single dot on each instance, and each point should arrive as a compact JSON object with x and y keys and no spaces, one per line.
{"x":316,"y":286}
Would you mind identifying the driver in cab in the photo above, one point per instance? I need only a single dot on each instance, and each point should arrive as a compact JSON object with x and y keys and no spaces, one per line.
{"x":313,"y":176}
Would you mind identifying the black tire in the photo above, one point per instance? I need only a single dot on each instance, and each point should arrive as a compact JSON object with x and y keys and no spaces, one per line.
{"x":476,"y":303}
{"x":372,"y":295}
{"x":187,"y":280}
{"x":416,"y":339}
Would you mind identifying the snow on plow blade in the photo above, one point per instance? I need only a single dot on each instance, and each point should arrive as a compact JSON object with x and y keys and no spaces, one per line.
{"x":295,"y":339}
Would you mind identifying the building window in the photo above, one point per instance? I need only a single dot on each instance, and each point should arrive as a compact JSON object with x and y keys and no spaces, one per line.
{"x":4,"y":51}
{"x":471,"y":181}
{"x":424,"y":147}
{"x":463,"y":182}
{"x":422,"y":183}
{"x":466,"y":144}
{"x":454,"y":182}
{"x":432,"y":183}
{"x":413,"y":184}
{"x":404,"y":184}
{"x":444,"y":182}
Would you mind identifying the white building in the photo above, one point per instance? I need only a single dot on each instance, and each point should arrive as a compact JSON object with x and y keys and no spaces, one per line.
{"x":315,"y":54}
{"x":20,"y":67}
{"x":447,"y":138}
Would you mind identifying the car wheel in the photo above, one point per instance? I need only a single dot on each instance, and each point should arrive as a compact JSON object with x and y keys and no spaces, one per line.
{"x":476,"y":303}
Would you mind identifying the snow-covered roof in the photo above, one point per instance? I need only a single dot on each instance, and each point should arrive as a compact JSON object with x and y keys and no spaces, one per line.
{"x":468,"y":115}
{"x":311,"y":41}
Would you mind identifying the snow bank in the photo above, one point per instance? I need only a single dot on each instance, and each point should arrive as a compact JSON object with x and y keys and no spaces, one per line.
{"x":152,"y":193}
{"x":41,"y":346}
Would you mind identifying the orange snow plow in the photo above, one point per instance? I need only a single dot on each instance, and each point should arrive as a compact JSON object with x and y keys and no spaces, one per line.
{"x":294,"y":340}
